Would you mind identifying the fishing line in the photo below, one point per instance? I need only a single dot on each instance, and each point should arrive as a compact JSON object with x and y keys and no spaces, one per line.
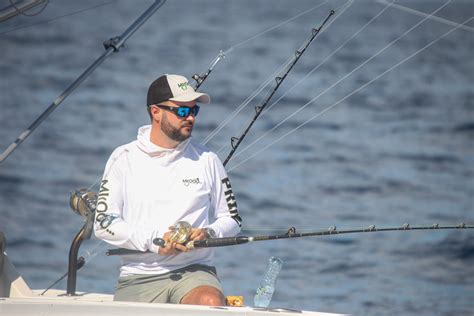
{"x":346,"y":4}
{"x":330,"y":55}
{"x":98,"y":248}
{"x":23,"y":11}
{"x":269,"y":80}
{"x":83,"y":260}
{"x":349,"y":95}
{"x":313,"y":70}
{"x":341,"y":79}
{"x":434,"y":18}
{"x":230,"y":49}
{"x":58,"y":17}
{"x":246,"y":101}
{"x":249,"y":99}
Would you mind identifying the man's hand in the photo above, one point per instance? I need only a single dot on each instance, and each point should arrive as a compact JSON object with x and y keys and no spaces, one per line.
{"x":198,"y":234}
{"x":171,"y":247}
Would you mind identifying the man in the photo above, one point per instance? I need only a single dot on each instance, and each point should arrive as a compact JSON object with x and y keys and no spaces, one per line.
{"x":152,"y":183}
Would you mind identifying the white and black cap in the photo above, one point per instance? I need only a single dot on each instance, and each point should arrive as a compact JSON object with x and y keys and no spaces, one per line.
{"x":174,"y":88}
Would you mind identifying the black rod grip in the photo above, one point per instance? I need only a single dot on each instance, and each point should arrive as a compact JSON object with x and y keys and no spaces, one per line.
{"x":220,"y":242}
{"x":123,"y":252}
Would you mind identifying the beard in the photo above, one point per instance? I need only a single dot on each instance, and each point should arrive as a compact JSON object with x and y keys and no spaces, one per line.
{"x":176,"y":134}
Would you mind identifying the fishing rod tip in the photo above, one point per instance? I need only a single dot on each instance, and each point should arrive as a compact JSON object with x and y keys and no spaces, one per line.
{"x":221,"y":54}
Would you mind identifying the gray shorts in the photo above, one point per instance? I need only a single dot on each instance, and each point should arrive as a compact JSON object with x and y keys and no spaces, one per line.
{"x":170,"y":287}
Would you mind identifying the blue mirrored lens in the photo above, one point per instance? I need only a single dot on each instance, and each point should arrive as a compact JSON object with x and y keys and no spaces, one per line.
{"x":195,"y":110}
{"x":184,"y":111}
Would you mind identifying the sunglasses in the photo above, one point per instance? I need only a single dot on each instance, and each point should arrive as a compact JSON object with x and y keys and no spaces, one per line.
{"x":181,"y":111}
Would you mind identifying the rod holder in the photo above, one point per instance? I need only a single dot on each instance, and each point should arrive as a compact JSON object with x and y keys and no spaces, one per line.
{"x":73,"y":266}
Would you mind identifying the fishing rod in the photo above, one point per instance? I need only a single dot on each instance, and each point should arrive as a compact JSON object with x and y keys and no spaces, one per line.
{"x":201,"y":78}
{"x":291,"y":233}
{"x":236,"y":141}
{"x":112,"y":45}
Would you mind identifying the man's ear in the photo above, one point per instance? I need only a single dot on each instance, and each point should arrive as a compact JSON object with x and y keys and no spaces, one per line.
{"x":154,"y":113}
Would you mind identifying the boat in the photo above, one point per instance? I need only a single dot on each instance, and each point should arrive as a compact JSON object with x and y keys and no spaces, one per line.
{"x":18,"y":298}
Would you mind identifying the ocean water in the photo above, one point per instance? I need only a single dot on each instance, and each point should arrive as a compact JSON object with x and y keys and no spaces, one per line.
{"x":345,"y":146}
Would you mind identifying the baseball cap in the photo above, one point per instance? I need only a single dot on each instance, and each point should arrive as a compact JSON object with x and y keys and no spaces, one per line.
{"x":174,"y":88}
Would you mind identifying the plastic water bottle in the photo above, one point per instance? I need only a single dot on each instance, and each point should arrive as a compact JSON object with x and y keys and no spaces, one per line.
{"x":267,"y":285}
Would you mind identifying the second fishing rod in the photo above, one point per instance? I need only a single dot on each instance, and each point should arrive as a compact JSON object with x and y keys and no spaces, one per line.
{"x":236,"y":141}
{"x":182,"y":230}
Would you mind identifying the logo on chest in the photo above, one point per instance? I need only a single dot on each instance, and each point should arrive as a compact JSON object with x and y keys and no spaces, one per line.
{"x":194,"y":181}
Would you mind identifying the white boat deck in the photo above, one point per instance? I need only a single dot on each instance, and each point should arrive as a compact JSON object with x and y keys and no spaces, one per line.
{"x":98,"y":305}
{"x":16,"y":299}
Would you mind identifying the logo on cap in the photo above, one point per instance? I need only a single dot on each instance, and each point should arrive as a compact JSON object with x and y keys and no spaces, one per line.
{"x":183,"y":85}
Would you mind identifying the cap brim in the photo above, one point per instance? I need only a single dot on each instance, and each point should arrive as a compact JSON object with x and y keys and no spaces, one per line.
{"x":193,"y":96}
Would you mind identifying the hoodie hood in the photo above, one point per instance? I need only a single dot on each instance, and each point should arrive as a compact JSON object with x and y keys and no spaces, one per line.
{"x":145,"y":145}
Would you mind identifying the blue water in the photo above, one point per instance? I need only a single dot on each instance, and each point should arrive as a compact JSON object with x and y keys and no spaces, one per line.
{"x":401,"y":150}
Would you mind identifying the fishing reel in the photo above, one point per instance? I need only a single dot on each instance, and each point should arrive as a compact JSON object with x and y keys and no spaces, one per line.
{"x":179,"y":234}
{"x":83,"y":202}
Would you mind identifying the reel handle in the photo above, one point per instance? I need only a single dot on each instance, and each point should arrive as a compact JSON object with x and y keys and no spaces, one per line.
{"x":159,"y":242}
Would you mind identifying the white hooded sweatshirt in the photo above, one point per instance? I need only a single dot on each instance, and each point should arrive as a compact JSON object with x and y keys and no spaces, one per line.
{"x":146,"y":189}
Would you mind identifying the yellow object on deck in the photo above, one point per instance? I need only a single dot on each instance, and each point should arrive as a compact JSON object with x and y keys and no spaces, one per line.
{"x":236,"y":301}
